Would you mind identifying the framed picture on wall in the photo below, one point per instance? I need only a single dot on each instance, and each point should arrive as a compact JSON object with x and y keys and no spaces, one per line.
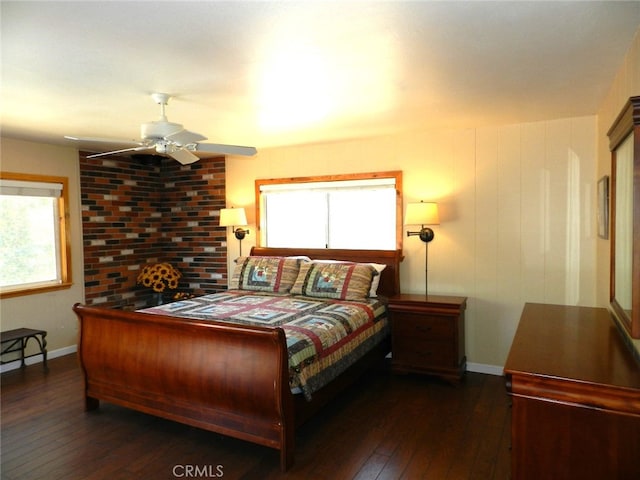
{"x":603,"y":207}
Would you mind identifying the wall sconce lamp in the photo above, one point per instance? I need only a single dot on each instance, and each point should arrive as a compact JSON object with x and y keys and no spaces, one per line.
{"x":234,"y":217}
{"x":423,"y":213}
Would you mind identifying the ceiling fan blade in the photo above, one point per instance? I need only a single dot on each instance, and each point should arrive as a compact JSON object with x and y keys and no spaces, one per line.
{"x":185,"y":157}
{"x":114,"y":152}
{"x":102,"y":140}
{"x":225,"y":149}
{"x":184,"y":137}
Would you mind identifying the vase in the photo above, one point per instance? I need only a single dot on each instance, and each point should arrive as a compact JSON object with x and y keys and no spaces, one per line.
{"x":157,"y":299}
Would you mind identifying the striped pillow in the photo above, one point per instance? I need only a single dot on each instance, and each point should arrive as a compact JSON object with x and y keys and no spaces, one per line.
{"x":265,"y":274}
{"x":339,"y":280}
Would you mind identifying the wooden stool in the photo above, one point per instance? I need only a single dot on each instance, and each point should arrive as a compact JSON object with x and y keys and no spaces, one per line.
{"x":17,"y":342}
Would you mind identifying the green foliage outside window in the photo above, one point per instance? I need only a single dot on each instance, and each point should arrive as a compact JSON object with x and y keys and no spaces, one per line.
{"x":28,"y":240}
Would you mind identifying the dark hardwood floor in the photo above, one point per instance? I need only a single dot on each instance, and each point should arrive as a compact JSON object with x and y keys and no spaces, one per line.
{"x":384,"y":427}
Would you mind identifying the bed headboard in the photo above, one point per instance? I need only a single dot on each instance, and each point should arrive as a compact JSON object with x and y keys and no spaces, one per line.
{"x":389,"y":280}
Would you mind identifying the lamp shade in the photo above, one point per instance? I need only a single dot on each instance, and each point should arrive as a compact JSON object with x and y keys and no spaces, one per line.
{"x":423,"y":213}
{"x":232,"y":217}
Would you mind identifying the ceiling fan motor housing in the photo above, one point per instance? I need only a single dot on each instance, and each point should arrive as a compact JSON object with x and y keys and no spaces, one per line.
{"x":158,"y":130}
{"x":163,"y":147}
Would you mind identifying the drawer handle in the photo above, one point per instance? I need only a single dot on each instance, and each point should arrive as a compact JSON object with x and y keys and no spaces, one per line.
{"x":424,"y":328}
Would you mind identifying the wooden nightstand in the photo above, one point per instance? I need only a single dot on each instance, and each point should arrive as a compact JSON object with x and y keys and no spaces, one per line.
{"x":427,"y":335}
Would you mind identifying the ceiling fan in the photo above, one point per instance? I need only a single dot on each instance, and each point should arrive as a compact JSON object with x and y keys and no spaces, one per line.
{"x":170,"y":139}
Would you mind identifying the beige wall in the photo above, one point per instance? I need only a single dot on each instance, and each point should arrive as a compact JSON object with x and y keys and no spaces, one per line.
{"x":625,"y":85}
{"x":518,"y":209}
{"x":50,"y":311}
{"x":517,"y":214}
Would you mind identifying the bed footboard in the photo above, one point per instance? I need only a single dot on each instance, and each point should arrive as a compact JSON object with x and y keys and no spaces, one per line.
{"x":229,"y":379}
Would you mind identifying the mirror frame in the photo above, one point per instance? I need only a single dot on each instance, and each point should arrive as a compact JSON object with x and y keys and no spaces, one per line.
{"x":627,"y":123}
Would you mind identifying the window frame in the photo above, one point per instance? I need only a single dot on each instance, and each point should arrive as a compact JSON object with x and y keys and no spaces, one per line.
{"x":64,"y":240}
{"x":395,"y":174}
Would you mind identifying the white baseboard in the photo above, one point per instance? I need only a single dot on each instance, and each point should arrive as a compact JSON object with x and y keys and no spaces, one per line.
{"x":38,"y":358}
{"x":484,"y":368}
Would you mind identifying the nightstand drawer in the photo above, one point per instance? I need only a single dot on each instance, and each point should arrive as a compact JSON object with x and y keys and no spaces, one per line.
{"x":422,"y":353}
{"x":418,"y":326}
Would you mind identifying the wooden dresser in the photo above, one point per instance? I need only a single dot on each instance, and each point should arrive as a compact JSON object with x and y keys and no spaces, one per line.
{"x":575,"y":389}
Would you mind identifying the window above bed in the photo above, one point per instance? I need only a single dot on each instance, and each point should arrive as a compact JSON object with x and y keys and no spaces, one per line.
{"x":354,"y":211}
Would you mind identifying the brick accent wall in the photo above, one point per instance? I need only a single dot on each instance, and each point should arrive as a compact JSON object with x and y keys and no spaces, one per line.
{"x":134,"y":212}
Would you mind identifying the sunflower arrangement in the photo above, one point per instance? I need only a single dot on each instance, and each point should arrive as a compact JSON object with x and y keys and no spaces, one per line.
{"x":159,"y":276}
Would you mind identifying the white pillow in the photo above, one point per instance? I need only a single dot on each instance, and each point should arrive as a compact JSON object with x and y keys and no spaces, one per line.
{"x":373,"y":292}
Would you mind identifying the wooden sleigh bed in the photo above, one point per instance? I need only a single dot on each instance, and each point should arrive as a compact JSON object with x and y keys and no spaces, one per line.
{"x":231,"y":379}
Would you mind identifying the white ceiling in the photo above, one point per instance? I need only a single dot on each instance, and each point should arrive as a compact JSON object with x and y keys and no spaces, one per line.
{"x":281,"y":73}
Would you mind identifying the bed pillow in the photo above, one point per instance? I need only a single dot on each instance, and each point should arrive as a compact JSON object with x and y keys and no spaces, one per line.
{"x":373,"y":291}
{"x":375,"y":283}
{"x":339,"y":280}
{"x":265,"y":274}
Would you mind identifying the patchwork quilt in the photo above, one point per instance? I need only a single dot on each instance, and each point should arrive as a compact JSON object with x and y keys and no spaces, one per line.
{"x":324,"y":336}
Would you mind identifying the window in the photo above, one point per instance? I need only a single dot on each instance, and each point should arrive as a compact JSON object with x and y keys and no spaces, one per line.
{"x":34,"y":248}
{"x":360,"y":211}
